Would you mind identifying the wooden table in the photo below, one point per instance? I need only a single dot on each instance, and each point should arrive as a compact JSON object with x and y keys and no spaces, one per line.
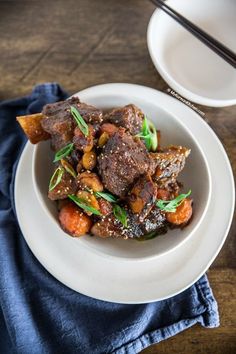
{"x":81,"y":43}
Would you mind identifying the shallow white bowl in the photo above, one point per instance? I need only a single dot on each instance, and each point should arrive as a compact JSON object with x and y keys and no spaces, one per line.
{"x":195,"y":175}
{"x":186,"y":64}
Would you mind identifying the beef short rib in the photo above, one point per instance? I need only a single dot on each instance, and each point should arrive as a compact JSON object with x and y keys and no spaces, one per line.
{"x":124,"y":158}
{"x":169,"y":163}
{"x":129,"y":117}
{"x":111,"y":227}
{"x":60,"y":124}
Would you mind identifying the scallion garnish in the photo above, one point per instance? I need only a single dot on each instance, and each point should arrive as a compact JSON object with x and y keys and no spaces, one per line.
{"x":56,"y":178}
{"x":171,"y":205}
{"x":153,"y":134}
{"x":65,"y":151}
{"x":147,"y":237}
{"x":149,"y":135}
{"x":107,"y":196}
{"x":67,"y":166}
{"x":83,"y":126}
{"x":83,"y":204}
{"x":120,"y":214}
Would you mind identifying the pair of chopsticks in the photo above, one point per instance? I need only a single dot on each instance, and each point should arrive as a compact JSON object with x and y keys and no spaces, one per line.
{"x":204,"y":37}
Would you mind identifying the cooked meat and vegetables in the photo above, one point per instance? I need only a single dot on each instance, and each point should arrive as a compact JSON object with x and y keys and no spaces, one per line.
{"x":111,"y":176}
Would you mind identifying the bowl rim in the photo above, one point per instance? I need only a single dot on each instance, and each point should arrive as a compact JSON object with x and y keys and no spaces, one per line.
{"x":147,"y":257}
{"x":186,"y":93}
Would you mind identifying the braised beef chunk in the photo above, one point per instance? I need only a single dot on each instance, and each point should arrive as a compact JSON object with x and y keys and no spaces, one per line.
{"x":67,"y":185}
{"x":107,"y":227}
{"x":123,"y":159}
{"x":169,"y":192}
{"x":169,"y":164}
{"x":90,"y":180}
{"x":142,"y":196}
{"x":108,"y":128}
{"x":105,"y":207}
{"x":74,"y":157}
{"x":173,"y":189}
{"x":111,"y":227}
{"x":59,"y":109}
{"x":155,"y":221}
{"x":90,"y":114}
{"x":129,"y":117}
{"x":82,"y":142}
{"x":60,"y":124}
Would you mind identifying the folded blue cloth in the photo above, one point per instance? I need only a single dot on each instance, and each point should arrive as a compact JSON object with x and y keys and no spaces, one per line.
{"x":38,"y":314}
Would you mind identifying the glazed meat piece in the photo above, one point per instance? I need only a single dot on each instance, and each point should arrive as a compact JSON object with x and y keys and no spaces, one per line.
{"x":67,"y":185}
{"x":105,"y":207}
{"x":123,"y":159}
{"x":142,"y":197}
{"x":74,"y":157}
{"x":90,"y":181}
{"x":173,"y":189}
{"x":169,"y":192}
{"x":89,"y":199}
{"x":90,"y":114}
{"x":84,"y":143}
{"x":60,"y":124}
{"x":111,"y":227}
{"x":129,"y":117}
{"x":108,"y":128}
{"x":106,"y":131}
{"x":169,"y":164}
{"x":107,"y":227}
{"x":155,"y":221}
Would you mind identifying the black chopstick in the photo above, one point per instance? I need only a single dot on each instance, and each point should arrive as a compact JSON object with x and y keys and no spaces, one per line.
{"x":204,"y":37}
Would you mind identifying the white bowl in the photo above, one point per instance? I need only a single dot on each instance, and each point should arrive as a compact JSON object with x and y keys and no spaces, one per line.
{"x":195,"y":175}
{"x":185,"y":63}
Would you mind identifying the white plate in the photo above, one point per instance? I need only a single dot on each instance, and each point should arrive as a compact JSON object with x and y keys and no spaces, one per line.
{"x":119,"y":280}
{"x":185,"y":63}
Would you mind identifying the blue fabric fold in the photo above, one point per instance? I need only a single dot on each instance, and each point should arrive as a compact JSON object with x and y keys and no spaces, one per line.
{"x":38,"y":314}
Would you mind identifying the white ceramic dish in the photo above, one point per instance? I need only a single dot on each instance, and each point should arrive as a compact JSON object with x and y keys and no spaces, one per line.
{"x":196,"y":170}
{"x":186,"y":64}
{"x":89,"y":272}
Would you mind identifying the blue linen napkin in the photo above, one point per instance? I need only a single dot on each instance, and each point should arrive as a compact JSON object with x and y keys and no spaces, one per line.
{"x":38,"y":314}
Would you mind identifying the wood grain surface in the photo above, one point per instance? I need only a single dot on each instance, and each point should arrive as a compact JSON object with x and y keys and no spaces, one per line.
{"x":80,"y":43}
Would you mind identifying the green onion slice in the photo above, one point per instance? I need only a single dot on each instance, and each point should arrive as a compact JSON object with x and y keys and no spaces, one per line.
{"x":56,"y":178}
{"x":153,"y":134}
{"x":149,"y":135}
{"x":145,"y":127}
{"x":120,"y":214}
{"x":83,"y":126}
{"x":67,"y":166}
{"x":65,"y":151}
{"x":147,"y":237}
{"x":107,"y":196}
{"x":83,"y":204}
{"x":171,"y":205}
